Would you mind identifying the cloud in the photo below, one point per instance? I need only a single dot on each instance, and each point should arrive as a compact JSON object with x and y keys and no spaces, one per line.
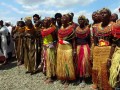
{"x":55,"y":3}
{"x":11,"y":19}
{"x":30,"y":7}
{"x":68,"y":3}
{"x":11,"y":7}
{"x":116,"y":10}
{"x":85,"y":13}
{"x":26,"y":7}
{"x":30,"y":2}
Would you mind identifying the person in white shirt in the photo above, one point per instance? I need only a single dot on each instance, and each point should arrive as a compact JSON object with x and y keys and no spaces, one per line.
{"x":4,"y":33}
{"x":11,"y":45}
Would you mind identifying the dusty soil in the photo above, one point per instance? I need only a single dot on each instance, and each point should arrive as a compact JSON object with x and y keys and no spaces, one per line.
{"x":13,"y":77}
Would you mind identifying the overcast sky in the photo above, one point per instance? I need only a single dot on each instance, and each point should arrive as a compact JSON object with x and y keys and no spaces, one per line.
{"x":13,"y":10}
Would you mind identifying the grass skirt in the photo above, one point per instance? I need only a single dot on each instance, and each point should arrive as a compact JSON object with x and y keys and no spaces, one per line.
{"x":99,"y":70}
{"x":83,"y":63}
{"x":115,"y":68}
{"x":30,"y":54}
{"x":65,"y":68}
{"x":19,"y":49}
{"x":49,"y":61}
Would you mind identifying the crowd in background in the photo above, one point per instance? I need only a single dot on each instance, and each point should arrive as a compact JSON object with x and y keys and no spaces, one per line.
{"x":65,"y":50}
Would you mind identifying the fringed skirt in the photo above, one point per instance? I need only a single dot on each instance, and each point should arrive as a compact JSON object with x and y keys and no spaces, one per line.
{"x":29,"y":54}
{"x":99,"y":70}
{"x":65,"y":67}
{"x":115,"y":69}
{"x":49,"y":59}
{"x":83,"y":62}
{"x":19,"y":49}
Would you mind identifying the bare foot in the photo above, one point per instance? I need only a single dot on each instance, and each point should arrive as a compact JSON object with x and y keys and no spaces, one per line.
{"x":94,"y":87}
{"x":66,"y":84}
{"x":49,"y":81}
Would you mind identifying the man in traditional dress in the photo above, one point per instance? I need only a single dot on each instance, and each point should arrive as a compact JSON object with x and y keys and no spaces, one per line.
{"x":37,"y":25}
{"x":4,"y":42}
{"x":11,"y":45}
{"x":58,"y":17}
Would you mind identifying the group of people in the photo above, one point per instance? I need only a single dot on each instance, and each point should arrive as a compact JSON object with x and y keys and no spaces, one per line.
{"x":65,"y":50}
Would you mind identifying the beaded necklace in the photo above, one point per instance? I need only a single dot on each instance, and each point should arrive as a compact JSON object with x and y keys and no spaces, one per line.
{"x":100,"y":31}
{"x":63,"y":32}
{"x":82,"y":33}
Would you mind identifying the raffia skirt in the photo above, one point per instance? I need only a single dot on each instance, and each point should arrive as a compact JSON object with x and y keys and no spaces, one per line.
{"x":115,"y":69}
{"x":49,"y":61}
{"x":83,"y":62}
{"x":99,"y":70}
{"x":29,"y":54}
{"x":65,"y":66}
{"x":20,"y":49}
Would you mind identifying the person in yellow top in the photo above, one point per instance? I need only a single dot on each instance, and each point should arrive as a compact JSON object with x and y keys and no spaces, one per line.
{"x":48,"y":49}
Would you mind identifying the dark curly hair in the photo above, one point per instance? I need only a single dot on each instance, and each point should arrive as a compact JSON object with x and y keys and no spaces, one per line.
{"x":58,"y":15}
{"x":36,"y":15}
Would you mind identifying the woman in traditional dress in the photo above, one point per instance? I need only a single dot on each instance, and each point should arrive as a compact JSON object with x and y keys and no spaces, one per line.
{"x":19,"y":42}
{"x":65,"y":66}
{"x":71,"y":15}
{"x":96,"y":20}
{"x":48,"y":49}
{"x":114,"y":57}
{"x":114,"y":17}
{"x":83,"y":49}
{"x":102,"y":42}
{"x":30,"y":47}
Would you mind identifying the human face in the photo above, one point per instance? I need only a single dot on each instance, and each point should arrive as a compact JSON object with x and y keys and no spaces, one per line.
{"x":64,"y":20}
{"x":28,"y":23}
{"x":113,"y":17}
{"x":37,"y":23}
{"x":35,"y":19}
{"x":94,"y":16}
{"x":81,"y":21}
{"x":104,"y":15}
{"x":58,"y":20}
{"x":46,"y":22}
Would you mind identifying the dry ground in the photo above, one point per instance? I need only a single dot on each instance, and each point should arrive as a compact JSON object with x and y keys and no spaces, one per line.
{"x":13,"y":77}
